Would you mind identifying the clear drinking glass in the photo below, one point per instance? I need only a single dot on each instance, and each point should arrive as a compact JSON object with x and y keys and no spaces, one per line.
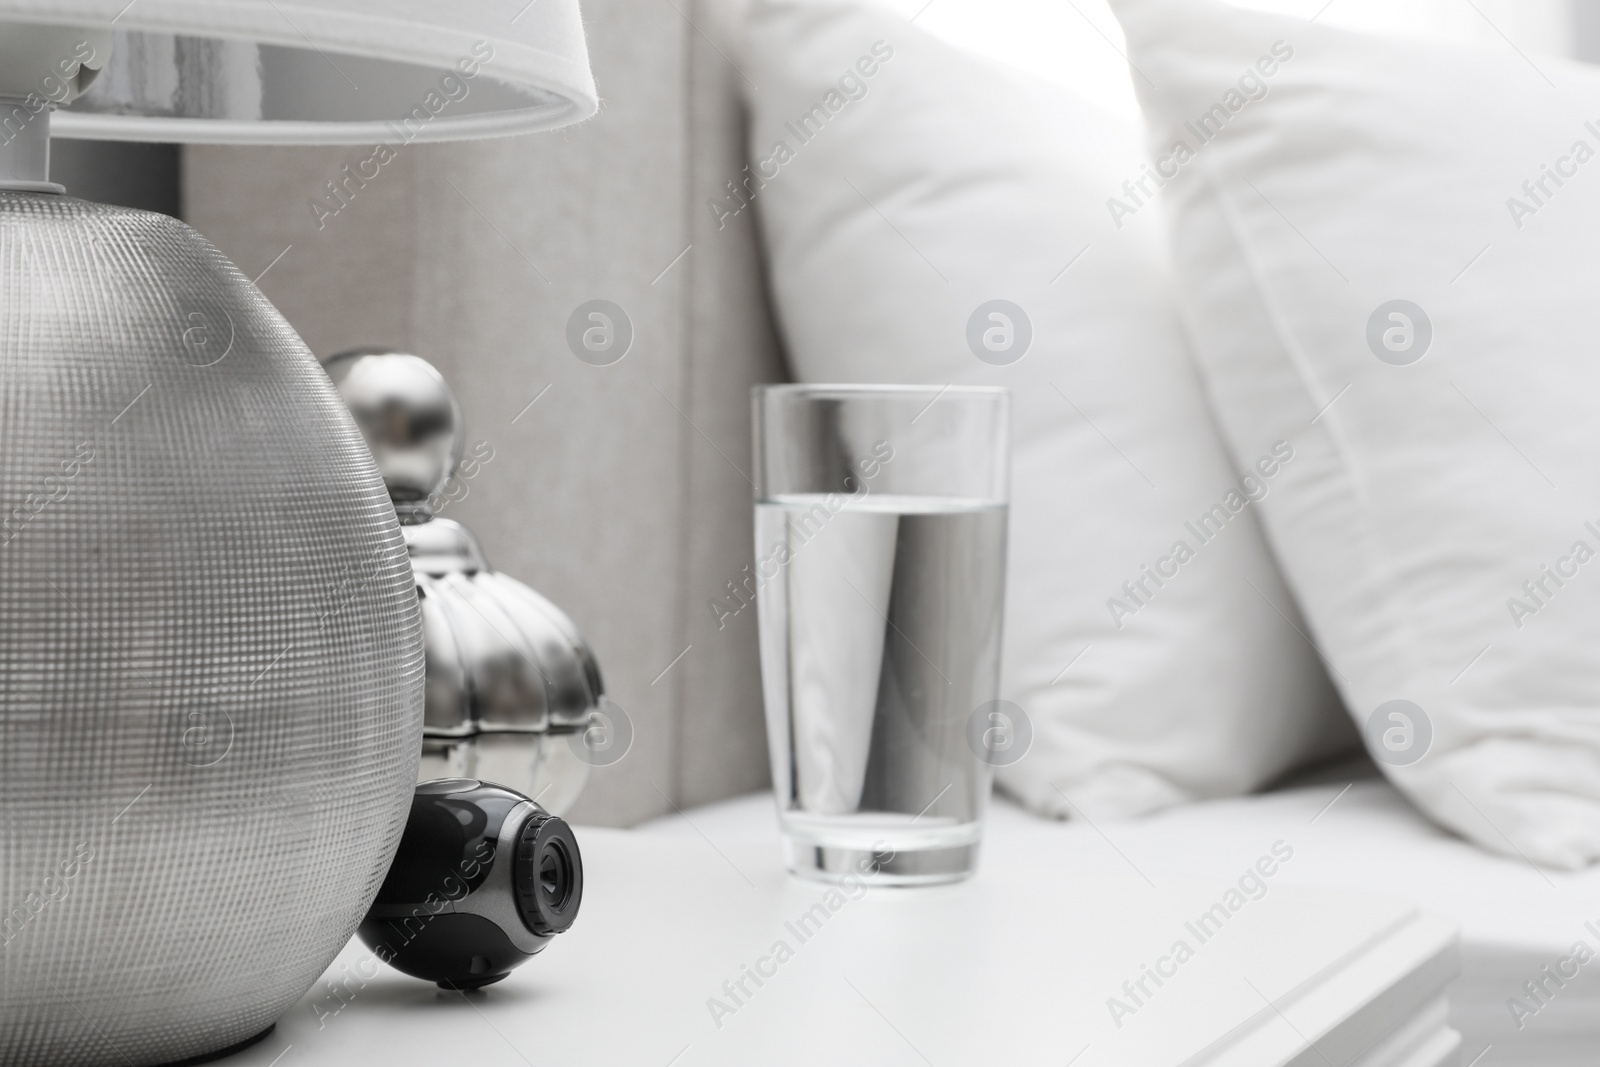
{"x":880,"y":563}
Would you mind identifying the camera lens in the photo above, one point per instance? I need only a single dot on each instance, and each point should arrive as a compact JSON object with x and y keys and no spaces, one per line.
{"x":555,"y":875}
{"x":548,"y":874}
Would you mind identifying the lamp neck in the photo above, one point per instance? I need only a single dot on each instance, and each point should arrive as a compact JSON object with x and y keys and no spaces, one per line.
{"x":25,"y":146}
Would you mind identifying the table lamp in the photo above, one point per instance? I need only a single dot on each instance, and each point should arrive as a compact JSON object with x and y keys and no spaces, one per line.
{"x":211,"y":659}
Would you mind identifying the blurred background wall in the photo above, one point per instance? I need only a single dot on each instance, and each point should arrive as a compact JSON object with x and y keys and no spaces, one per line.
{"x":622,"y":492}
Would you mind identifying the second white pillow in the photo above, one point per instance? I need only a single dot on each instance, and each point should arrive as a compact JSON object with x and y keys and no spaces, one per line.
{"x":1387,"y":250}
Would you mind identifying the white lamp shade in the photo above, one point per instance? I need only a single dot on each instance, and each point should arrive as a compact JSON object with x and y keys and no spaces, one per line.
{"x":329,"y":71}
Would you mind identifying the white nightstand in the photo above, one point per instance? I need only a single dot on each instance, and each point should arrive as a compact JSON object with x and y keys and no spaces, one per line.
{"x":676,"y":960}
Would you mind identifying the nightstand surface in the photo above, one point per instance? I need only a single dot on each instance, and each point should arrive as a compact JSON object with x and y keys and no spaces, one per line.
{"x":1017,"y":966}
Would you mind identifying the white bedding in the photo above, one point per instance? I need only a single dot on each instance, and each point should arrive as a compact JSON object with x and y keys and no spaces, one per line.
{"x":1515,"y":918}
{"x":1414,"y":539}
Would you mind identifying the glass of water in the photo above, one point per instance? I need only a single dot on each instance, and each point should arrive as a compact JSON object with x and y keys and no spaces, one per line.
{"x":880,"y":569}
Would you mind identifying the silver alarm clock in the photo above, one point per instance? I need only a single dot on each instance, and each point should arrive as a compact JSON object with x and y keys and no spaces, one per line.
{"x":511,"y":684}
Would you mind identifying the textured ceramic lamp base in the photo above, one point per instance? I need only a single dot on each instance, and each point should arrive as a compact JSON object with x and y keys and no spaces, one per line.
{"x":210,"y":650}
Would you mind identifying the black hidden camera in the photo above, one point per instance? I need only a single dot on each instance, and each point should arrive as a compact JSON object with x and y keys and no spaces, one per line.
{"x":483,"y":879}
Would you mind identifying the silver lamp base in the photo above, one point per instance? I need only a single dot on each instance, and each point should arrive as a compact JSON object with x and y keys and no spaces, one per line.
{"x":211,"y":659}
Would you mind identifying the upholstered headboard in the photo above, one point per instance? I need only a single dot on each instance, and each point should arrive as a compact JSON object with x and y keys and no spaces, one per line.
{"x":622,"y":493}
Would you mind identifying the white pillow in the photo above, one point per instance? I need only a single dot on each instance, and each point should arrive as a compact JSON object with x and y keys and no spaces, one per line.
{"x":927,"y":182}
{"x":1444,"y":456}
